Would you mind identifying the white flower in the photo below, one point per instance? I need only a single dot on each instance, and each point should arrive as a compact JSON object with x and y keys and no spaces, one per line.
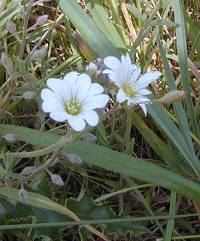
{"x":73,"y":99}
{"x":127,"y":77}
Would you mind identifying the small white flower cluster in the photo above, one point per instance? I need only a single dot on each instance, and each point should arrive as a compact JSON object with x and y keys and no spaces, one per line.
{"x":75,"y":98}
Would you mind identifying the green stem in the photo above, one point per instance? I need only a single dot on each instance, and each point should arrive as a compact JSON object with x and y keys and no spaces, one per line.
{"x":101,"y":221}
{"x":41,"y":152}
{"x":116,"y":18}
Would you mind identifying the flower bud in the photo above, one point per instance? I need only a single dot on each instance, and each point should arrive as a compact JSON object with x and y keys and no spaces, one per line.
{"x":2,"y":210}
{"x":10,"y":137}
{"x":89,"y":137}
{"x":41,"y":20}
{"x":4,"y":60}
{"x":74,"y":159}
{"x":28,"y":95}
{"x":175,"y":95}
{"x":91,"y":67}
{"x":23,"y":195}
{"x":7,"y":64}
{"x":28,"y":170}
{"x":38,"y":54}
{"x":11,"y":27}
{"x":56,"y":179}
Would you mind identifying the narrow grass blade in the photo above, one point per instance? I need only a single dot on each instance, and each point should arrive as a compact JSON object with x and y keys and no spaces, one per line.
{"x":99,"y":221}
{"x":166,"y":124}
{"x":124,"y":190}
{"x":172,"y":212}
{"x":180,"y":113}
{"x":158,"y":145}
{"x":193,"y":33}
{"x":182,"y":54}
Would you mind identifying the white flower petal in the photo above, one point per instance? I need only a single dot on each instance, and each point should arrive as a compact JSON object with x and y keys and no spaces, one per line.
{"x":70,"y":77}
{"x":94,"y":102}
{"x":121,"y":96}
{"x":91,"y":117}
{"x":83,"y":84}
{"x":135,"y":74}
{"x":147,"y":78}
{"x":95,"y":89}
{"x":128,"y":59}
{"x":59,"y":116}
{"x":47,"y":93}
{"x":77,"y":123}
{"x":143,"y":106}
{"x":143,"y":92}
{"x":51,"y":102}
{"x":69,"y":86}
{"x":140,"y":100}
{"x":112,"y":62}
{"x":57,"y":86}
{"x":52,"y":105}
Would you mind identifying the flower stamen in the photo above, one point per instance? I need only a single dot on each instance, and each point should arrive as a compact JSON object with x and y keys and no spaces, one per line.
{"x":73,"y":107}
{"x":129,"y":91}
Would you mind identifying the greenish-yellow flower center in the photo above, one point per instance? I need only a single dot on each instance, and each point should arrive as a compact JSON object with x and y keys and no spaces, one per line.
{"x":73,"y":107}
{"x":128,"y":91}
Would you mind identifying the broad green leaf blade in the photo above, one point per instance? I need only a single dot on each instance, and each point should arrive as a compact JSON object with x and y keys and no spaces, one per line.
{"x":182,"y":54}
{"x":95,"y":39}
{"x":112,"y":161}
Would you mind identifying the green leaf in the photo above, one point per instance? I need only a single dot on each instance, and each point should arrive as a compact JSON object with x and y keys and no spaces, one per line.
{"x":90,"y":33}
{"x":100,"y":18}
{"x":87,"y":210}
{"x":112,"y":161}
{"x":135,"y":12}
